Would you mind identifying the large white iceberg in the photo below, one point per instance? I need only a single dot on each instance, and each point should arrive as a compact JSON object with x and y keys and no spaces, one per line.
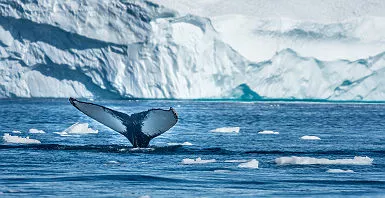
{"x":139,"y":49}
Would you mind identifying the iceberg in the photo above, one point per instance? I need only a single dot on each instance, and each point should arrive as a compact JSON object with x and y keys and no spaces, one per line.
{"x":139,"y":49}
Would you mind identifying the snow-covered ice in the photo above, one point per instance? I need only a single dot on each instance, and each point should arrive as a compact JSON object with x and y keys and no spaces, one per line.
{"x":357,"y":160}
{"x":188,"y":161}
{"x":226,"y":130}
{"x":310,"y":137}
{"x":19,"y":140}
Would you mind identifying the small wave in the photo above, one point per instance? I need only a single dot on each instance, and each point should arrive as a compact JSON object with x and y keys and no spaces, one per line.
{"x":226,"y":130}
{"x":250,"y":164}
{"x":19,"y":140}
{"x":222,"y":171}
{"x":182,"y":144}
{"x":268,"y":132}
{"x":357,"y":160}
{"x":339,"y":171}
{"x":36,"y":131}
{"x":310,"y":137}
{"x":16,"y":132}
{"x":188,"y":161}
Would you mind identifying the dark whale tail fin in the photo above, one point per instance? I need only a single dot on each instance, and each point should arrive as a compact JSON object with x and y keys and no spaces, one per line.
{"x":138,"y":128}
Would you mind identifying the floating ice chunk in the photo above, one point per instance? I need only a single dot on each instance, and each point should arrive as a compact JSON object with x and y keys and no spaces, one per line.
{"x":250,"y":164}
{"x":235,"y":161}
{"x":310,"y":160}
{"x":36,"y":131}
{"x":19,"y":140}
{"x":145,"y":196}
{"x":183,"y":144}
{"x":310,"y":137}
{"x":16,"y":131}
{"x":64,"y":134}
{"x":339,"y":171}
{"x":77,"y":128}
{"x":226,"y":130}
{"x":80,"y":128}
{"x":198,"y":160}
{"x":268,"y":132}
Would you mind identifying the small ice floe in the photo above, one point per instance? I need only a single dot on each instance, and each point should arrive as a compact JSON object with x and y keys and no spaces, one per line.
{"x":250,"y":164}
{"x":183,"y":144}
{"x":357,"y":160}
{"x":145,"y":196}
{"x":339,"y":171}
{"x":78,"y":129}
{"x":226,"y":130}
{"x":235,"y":161}
{"x":16,"y":132}
{"x":267,"y":132}
{"x":310,"y":137}
{"x":221,"y":171}
{"x":36,"y":131}
{"x":19,"y":140}
{"x":198,"y":160}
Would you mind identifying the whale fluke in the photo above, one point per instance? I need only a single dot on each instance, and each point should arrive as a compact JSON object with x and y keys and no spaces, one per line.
{"x":138,"y":128}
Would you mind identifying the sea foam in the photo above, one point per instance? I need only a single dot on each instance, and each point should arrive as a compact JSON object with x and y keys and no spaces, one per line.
{"x":268,"y":132}
{"x":250,"y":164}
{"x":36,"y":131}
{"x":19,"y":140}
{"x":198,"y":160}
{"x":310,"y":137}
{"x":357,"y":160}
{"x":226,"y":130}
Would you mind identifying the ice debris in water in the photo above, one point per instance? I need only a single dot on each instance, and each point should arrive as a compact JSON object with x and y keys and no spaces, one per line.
{"x":77,"y":128}
{"x":339,"y":171}
{"x":183,"y":144}
{"x":36,"y":131}
{"x":198,"y":160}
{"x":357,"y":160}
{"x":268,"y":132}
{"x":16,"y":131}
{"x":19,"y":140}
{"x":250,"y":164}
{"x":226,"y":130}
{"x":310,"y":137}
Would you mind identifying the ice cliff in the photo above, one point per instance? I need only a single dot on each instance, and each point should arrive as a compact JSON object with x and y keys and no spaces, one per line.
{"x":124,"y":49}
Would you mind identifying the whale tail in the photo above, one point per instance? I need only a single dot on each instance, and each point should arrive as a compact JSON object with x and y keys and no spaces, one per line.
{"x":138,"y":128}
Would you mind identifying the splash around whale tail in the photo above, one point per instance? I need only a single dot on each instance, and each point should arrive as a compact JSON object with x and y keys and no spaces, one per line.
{"x":138,"y":128}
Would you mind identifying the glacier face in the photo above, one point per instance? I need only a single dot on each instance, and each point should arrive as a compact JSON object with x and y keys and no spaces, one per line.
{"x":124,"y":49}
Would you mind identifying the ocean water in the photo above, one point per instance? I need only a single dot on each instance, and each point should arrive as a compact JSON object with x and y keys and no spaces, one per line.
{"x":104,"y":163}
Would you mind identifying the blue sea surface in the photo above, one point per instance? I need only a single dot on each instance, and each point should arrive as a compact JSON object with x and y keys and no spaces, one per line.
{"x":105,"y":165}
